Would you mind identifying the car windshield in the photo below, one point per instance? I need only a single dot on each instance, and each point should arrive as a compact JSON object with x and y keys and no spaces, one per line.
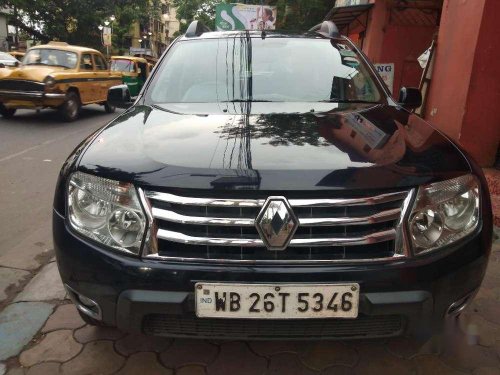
{"x":122,"y":65}
{"x":7,"y":59}
{"x":51,"y":57}
{"x":270,"y":69}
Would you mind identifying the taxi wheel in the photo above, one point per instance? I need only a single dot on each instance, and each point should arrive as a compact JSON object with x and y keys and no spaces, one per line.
{"x":6,"y":112}
{"x":109,"y":108}
{"x":71,"y":107}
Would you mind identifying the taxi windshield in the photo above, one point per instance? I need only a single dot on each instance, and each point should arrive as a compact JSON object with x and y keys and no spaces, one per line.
{"x":267,"y":70}
{"x":122,"y":65}
{"x":51,"y":57}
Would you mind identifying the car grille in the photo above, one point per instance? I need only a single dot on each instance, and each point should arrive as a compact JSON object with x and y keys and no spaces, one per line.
{"x":20,"y":85}
{"x":223,"y":229}
{"x":189,"y":326}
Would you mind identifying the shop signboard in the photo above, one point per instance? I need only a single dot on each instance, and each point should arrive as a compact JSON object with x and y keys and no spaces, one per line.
{"x":245,"y":17}
{"x":106,"y":36}
{"x":386,"y":71}
{"x":347,"y":3}
{"x":140,"y":51}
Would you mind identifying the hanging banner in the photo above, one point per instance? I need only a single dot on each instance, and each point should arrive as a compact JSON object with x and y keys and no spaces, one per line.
{"x":106,"y":36}
{"x":245,"y":17}
{"x":386,"y":71}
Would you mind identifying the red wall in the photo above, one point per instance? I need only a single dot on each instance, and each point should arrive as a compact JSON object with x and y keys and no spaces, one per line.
{"x":464,"y":96}
{"x":402,"y":45}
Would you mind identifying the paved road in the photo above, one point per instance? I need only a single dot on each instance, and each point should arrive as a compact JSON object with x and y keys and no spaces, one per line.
{"x":33,"y":147}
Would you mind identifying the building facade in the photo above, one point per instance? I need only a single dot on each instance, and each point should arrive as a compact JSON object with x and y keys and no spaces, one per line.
{"x":153,"y":37}
{"x":4,"y":32}
{"x":461,"y":80}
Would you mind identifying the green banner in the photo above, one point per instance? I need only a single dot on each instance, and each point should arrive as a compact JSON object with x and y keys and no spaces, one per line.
{"x":244,"y":17}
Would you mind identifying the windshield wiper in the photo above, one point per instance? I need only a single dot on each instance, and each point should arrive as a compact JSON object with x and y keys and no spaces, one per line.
{"x":245,"y":101}
{"x":348,"y":101}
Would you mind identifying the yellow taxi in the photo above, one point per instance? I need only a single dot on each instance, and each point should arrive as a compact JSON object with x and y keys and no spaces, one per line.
{"x":60,"y":76}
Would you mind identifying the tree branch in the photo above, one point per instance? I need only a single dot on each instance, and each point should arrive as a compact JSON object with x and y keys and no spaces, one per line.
{"x":30,"y":30}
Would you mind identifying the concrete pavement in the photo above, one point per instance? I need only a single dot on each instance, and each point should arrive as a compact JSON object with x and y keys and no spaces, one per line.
{"x":33,"y":146}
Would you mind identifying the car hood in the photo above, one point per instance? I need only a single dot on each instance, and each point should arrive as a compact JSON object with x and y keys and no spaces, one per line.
{"x":272,"y":146}
{"x":31,"y":72}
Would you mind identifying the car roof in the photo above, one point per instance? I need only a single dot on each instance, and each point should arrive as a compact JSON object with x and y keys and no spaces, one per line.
{"x":7,"y":56}
{"x":133,"y":58}
{"x":65,"y":47}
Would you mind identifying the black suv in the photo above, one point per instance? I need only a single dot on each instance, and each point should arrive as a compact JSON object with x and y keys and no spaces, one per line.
{"x":266,"y":185}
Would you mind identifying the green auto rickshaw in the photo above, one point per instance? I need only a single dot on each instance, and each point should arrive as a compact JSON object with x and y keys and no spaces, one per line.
{"x":134,"y":71}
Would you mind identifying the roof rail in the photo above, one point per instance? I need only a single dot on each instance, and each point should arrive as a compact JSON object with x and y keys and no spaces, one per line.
{"x":326,"y":28}
{"x":196,"y":28}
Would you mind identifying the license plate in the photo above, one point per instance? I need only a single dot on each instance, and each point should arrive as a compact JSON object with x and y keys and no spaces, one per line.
{"x":283,"y":301}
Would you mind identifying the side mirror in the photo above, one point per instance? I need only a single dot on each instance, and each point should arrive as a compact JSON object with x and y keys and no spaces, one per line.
{"x":2,"y":65}
{"x":119,"y":96}
{"x":410,"y":98}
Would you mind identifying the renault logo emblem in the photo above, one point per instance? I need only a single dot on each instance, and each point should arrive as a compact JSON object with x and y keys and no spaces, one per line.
{"x":276,"y":223}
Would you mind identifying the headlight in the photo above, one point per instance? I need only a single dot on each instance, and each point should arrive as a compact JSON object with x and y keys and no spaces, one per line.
{"x":444,"y":212}
{"x":106,"y":211}
{"x":50,"y":82}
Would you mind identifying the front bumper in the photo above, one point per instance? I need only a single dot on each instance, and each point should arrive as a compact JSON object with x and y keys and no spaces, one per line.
{"x":409,"y":297}
{"x":35,"y":98}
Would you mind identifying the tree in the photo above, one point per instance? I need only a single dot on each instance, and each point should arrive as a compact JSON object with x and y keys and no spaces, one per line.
{"x":292,"y":14}
{"x":75,"y":21}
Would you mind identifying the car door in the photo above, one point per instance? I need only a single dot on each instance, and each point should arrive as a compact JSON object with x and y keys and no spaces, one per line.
{"x":102,"y":82}
{"x":86,"y":84}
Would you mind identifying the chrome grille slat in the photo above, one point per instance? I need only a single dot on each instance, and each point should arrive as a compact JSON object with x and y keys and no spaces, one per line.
{"x":172,"y":216}
{"x":296,"y":242}
{"x":210,"y":202}
{"x":338,"y":229}
{"x":376,"y":218}
{"x":218,"y":202}
{"x":159,"y":213}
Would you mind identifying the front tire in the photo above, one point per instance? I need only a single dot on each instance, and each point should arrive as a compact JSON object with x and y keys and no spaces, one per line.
{"x":70,"y":110}
{"x":109,"y":108}
{"x":6,"y":112}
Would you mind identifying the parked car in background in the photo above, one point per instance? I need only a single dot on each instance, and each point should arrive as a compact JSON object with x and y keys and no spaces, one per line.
{"x":8,"y":61}
{"x":60,"y":76}
{"x":18,"y":55}
{"x":266,"y":185}
{"x":134,"y":70}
